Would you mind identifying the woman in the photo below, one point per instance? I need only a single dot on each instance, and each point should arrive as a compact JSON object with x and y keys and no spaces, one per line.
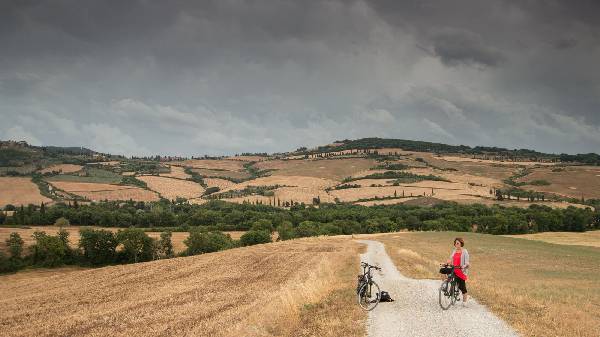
{"x":460,"y":257}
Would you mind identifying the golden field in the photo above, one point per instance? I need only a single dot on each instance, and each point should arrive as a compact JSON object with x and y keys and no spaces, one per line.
{"x":172,"y":189}
{"x":294,"y":288}
{"x":20,"y":191}
{"x":99,"y":191}
{"x":591,"y":238}
{"x":62,"y":168}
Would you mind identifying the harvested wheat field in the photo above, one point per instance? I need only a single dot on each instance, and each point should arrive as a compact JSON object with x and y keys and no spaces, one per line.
{"x":384,"y":202}
{"x":98,"y":192}
{"x":20,"y":191}
{"x":333,"y":169}
{"x":262,"y":290}
{"x":171,"y":189}
{"x":222,"y":173}
{"x":176,"y":172}
{"x":62,"y":168}
{"x":295,"y":181}
{"x":247,"y":158}
{"x":212,"y":164}
{"x":591,"y":238}
{"x":571,"y":181}
{"x":222,"y":184}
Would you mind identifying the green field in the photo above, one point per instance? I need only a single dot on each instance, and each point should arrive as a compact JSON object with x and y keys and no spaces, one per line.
{"x":93,"y":175}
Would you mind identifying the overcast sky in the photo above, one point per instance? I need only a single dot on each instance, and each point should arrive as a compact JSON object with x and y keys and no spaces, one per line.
{"x":230,"y":76}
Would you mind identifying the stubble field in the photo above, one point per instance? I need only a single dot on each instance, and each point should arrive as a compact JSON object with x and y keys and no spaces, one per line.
{"x":99,"y":192}
{"x":295,"y":288}
{"x":20,"y":191}
{"x":171,"y":189}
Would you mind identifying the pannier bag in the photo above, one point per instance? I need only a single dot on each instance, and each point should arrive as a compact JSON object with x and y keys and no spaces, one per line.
{"x":445,"y":270}
{"x":385,"y":297}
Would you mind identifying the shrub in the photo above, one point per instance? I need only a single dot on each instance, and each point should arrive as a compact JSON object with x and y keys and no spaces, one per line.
{"x":305,"y":229}
{"x":262,"y":225}
{"x":200,"y":243}
{"x":329,"y":229}
{"x":8,"y":265}
{"x":285,"y":231}
{"x":15,"y":245}
{"x":48,"y":250}
{"x":99,"y":246}
{"x":137,"y":245}
{"x":62,"y":222}
{"x":254,"y":237}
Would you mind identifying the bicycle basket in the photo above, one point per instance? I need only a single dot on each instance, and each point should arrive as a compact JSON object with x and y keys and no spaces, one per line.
{"x":446,"y":270}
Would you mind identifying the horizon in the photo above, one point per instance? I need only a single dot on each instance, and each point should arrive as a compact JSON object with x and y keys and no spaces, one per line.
{"x":228,"y":77}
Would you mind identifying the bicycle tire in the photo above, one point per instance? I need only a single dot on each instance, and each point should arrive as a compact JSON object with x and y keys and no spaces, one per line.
{"x":454,"y":289}
{"x":445,"y":295}
{"x":368,"y":298}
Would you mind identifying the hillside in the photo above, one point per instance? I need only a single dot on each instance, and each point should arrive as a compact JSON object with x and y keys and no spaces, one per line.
{"x":367,"y":172}
{"x":264,"y":290}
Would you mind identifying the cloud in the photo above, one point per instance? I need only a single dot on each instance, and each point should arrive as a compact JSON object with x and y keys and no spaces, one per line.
{"x":17,"y":133}
{"x":459,"y":47}
{"x":110,"y":139}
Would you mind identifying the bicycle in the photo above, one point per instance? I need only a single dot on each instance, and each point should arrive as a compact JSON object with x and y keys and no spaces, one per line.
{"x":367,"y":290}
{"x":449,"y":292}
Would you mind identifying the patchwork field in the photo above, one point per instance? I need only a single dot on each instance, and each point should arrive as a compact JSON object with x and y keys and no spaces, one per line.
{"x":62,"y":168}
{"x":171,"y":189}
{"x":553,"y":292}
{"x":222,"y":173}
{"x":571,"y":181}
{"x":295,"y":288}
{"x":222,"y":184}
{"x":334,"y":169}
{"x":98,"y":192}
{"x":26,"y":235}
{"x":91,"y":175}
{"x":176,"y":172}
{"x":223,"y":164}
{"x":20,"y":191}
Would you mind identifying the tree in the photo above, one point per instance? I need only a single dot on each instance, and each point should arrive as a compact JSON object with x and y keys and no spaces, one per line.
{"x":99,"y":246}
{"x":254,"y":237}
{"x":306,"y":228}
{"x":200,"y":243}
{"x":262,"y":224}
{"x":48,"y":250}
{"x":137,"y":245}
{"x":165,"y":245}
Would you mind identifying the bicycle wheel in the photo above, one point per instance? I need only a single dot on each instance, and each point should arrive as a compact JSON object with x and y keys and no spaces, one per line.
{"x":453,"y":291}
{"x":446,"y":295}
{"x":368,"y":296}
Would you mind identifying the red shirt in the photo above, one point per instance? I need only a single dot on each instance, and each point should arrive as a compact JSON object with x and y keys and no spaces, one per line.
{"x":456,"y":262}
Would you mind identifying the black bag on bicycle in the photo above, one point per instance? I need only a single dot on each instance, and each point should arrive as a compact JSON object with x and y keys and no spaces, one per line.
{"x":385,"y":297}
{"x":445,"y":270}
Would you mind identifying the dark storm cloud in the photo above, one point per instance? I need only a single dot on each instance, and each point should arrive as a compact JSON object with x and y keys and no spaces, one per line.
{"x":188,"y":77}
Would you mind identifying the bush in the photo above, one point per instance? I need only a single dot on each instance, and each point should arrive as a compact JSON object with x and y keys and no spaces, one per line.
{"x":285,"y":231}
{"x":329,"y":229}
{"x":200,"y":243}
{"x":262,"y":225}
{"x":49,"y":251}
{"x":99,"y":246}
{"x":137,"y":245}
{"x":15,"y":245}
{"x":255,"y":237}
{"x":62,"y":222}
{"x":8,"y":265}
{"x":306,"y":228}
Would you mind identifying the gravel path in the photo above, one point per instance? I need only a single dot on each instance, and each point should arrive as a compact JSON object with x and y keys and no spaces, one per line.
{"x":416,"y":311}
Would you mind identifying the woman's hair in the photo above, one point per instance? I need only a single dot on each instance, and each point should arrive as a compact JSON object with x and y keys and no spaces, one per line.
{"x":462,"y":242}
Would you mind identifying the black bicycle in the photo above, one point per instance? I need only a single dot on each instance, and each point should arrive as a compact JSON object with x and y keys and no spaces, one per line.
{"x":367,"y":290}
{"x":449,"y":292}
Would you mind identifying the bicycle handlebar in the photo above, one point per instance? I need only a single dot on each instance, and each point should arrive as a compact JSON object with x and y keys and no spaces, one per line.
{"x":364,"y":264}
{"x":449,"y":265}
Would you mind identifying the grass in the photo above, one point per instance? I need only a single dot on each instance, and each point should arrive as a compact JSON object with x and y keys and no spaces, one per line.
{"x":541,"y":289}
{"x":92,"y":175}
{"x":281,"y":289}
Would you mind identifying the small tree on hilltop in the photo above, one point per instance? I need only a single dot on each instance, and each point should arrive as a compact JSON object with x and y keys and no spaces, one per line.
{"x":165,"y":245}
{"x":15,"y":245}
